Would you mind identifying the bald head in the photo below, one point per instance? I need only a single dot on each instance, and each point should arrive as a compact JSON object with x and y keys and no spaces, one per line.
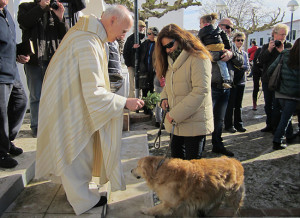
{"x":117,"y":21}
{"x":227,"y":25}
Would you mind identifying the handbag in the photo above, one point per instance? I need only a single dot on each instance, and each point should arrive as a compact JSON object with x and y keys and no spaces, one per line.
{"x":274,"y":81}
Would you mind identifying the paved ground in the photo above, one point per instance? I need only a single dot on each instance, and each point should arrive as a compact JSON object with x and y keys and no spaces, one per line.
{"x":272,"y":178}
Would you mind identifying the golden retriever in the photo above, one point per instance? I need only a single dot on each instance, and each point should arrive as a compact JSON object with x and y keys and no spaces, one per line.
{"x":192,"y":188}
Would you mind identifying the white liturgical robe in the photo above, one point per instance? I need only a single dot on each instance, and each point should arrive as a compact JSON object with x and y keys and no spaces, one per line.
{"x":77,"y":104}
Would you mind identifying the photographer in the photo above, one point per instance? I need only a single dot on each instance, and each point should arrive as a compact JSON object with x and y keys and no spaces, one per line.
{"x":43,"y":23}
{"x":269,"y":53}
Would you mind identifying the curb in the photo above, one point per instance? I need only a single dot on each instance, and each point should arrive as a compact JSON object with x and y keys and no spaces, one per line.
{"x":13,"y":185}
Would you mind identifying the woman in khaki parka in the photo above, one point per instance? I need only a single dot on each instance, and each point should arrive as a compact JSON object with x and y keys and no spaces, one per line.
{"x":186,"y":64}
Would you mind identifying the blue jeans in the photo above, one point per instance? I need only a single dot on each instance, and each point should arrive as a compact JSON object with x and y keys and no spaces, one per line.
{"x":220,"y":100}
{"x":35,"y":75}
{"x":13,"y":101}
{"x":284,"y":127}
{"x":223,"y":70}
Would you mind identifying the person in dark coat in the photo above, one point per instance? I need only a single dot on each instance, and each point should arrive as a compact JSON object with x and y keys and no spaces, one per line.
{"x":220,"y":94}
{"x":130,"y":48}
{"x":146,"y":69}
{"x":13,"y":99}
{"x":256,"y":73}
{"x":288,"y":93}
{"x":268,"y":55}
{"x":45,"y":27}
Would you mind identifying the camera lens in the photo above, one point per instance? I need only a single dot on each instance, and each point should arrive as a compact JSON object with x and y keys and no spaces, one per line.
{"x":54,"y":5}
{"x":277,"y":43}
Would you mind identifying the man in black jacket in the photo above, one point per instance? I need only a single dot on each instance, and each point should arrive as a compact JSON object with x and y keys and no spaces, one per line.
{"x":220,"y":95}
{"x":13,"y":98}
{"x":45,"y":27}
{"x":129,"y":56}
{"x":268,"y":54}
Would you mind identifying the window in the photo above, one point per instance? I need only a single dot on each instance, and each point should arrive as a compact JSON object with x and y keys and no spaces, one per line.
{"x":293,"y":35}
{"x":253,"y":39}
{"x":261,"y":41}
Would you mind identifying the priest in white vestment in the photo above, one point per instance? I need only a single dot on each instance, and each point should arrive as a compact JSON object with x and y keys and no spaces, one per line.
{"x":80,"y":119}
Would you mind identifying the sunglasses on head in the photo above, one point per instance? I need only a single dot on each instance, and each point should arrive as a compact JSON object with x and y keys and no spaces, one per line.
{"x":238,"y":40}
{"x":169,"y":45}
{"x":227,"y":27}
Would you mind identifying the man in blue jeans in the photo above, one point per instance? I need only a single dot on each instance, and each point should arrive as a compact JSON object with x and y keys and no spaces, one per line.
{"x":45,"y":27}
{"x":220,"y":95}
{"x":13,"y":98}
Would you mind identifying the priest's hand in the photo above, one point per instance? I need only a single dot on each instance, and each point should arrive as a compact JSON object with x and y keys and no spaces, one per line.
{"x":134,"y":104}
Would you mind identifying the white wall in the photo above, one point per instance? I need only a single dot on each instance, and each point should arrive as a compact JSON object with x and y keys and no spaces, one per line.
{"x":267,"y":34}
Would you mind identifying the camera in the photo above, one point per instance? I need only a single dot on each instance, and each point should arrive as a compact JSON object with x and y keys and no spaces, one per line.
{"x":277,"y":43}
{"x":53,"y":4}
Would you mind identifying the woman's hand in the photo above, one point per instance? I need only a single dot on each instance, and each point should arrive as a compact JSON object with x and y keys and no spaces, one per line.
{"x":164,"y":104}
{"x":169,"y":118}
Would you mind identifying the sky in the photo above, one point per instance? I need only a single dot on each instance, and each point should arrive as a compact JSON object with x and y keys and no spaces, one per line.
{"x":192,"y":14}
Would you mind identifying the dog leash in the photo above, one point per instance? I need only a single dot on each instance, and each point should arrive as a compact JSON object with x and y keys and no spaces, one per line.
{"x":158,"y":137}
{"x":171,"y":139}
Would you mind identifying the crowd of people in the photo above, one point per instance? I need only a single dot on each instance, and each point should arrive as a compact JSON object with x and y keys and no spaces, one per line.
{"x":76,"y":116}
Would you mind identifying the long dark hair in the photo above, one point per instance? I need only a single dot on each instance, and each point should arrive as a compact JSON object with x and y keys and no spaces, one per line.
{"x":293,"y":61}
{"x":185,"y":39}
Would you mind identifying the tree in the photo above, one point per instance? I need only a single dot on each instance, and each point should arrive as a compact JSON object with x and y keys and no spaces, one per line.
{"x":248,"y":16}
{"x":155,"y":8}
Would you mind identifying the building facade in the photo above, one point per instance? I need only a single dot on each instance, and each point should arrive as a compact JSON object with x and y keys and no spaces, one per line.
{"x":264,"y":37}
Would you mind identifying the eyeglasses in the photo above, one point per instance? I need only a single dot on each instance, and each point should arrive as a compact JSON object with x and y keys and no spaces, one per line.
{"x":238,"y":40}
{"x":227,"y":27}
{"x":169,"y":45}
{"x":152,"y":33}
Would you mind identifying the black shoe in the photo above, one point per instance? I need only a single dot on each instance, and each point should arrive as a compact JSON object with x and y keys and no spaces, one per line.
{"x":102,"y":201}
{"x":15,"y":150}
{"x":278,"y":146}
{"x":267,"y":129}
{"x":241,"y":129}
{"x":231,"y":129}
{"x":223,"y":151}
{"x":7,"y":162}
{"x":157,"y":124}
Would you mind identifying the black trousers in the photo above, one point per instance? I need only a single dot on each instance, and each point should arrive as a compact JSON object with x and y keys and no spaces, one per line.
{"x":234,"y":107}
{"x":13,"y":101}
{"x":186,"y":147}
{"x":256,"y":79}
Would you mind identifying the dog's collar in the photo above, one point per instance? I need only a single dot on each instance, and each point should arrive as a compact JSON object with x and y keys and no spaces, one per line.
{"x":160,"y":163}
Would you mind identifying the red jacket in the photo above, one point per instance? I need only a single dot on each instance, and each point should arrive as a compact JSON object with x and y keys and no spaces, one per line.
{"x":251,"y":52}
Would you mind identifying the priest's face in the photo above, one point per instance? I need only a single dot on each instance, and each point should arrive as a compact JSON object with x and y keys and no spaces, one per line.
{"x":119,"y":28}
